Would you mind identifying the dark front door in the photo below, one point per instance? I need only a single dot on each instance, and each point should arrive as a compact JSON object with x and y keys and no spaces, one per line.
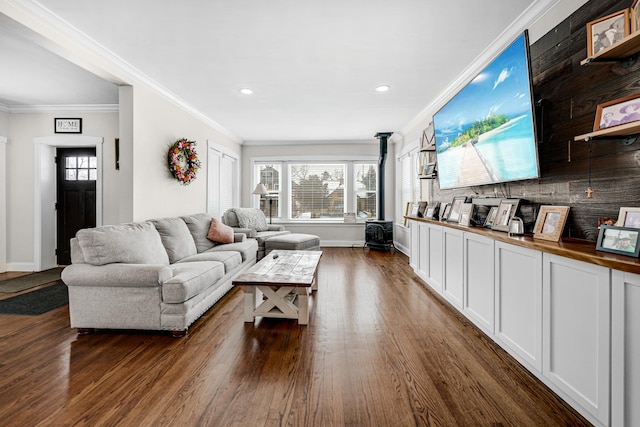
{"x":76,"y":196}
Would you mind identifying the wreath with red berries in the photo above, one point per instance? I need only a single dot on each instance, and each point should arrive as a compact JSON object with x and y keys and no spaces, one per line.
{"x":183,"y":161}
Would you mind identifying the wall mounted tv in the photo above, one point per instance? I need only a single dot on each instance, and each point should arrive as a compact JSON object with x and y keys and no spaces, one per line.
{"x":486,"y":133}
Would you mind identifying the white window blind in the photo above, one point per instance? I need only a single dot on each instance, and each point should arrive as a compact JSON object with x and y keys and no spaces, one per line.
{"x":409,"y":181}
{"x":317,"y":190}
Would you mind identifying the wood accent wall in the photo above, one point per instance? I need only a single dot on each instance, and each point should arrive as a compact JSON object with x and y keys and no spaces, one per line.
{"x":570,"y":93}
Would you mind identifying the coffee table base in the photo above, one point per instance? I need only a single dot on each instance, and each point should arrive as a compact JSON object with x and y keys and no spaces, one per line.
{"x":283,"y":302}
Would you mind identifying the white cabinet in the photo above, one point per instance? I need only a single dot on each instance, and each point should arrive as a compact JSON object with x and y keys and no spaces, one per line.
{"x":576,"y":301}
{"x":478,"y":301}
{"x":452,"y":286}
{"x":518,"y":303}
{"x":415,"y":244}
{"x":625,"y":349}
{"x":423,"y":259}
{"x":435,"y":275}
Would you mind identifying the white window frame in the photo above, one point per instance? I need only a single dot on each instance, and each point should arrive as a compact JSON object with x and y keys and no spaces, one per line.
{"x":285,"y":184}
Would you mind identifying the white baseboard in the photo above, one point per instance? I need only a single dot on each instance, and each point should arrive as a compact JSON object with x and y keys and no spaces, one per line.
{"x":340,"y":243}
{"x":20,"y":266}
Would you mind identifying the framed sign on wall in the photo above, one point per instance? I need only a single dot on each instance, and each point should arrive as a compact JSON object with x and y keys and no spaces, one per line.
{"x":68,"y":125}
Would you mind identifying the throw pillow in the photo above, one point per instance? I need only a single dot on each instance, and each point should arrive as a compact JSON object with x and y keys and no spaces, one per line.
{"x":219,"y":232}
{"x":251,"y":218}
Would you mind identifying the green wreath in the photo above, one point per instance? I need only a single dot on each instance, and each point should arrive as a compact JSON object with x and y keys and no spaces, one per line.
{"x":183,"y":161}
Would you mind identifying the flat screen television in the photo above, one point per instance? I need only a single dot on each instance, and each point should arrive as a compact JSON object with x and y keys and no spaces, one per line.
{"x":486,"y":134}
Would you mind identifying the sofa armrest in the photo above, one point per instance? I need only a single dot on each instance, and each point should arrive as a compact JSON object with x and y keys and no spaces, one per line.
{"x":273,"y":227}
{"x":116,"y":275}
{"x":249,"y":232}
{"x":239,"y":237}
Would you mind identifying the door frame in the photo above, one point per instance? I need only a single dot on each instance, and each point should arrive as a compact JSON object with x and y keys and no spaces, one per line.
{"x":3,"y":204}
{"x":44,"y":227}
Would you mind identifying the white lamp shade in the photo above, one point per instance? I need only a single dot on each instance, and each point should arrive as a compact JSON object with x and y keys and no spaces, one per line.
{"x":260,"y":189}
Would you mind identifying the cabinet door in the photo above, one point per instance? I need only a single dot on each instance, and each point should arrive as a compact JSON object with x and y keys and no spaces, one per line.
{"x":478,"y":300}
{"x":576,"y":299}
{"x":415,"y":245}
{"x":625,"y":349}
{"x":518,"y":303}
{"x":436,"y":260}
{"x":423,"y":238}
{"x":452,"y":286}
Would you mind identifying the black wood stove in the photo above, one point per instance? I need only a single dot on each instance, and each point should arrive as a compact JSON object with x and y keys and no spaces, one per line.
{"x":378,"y":233}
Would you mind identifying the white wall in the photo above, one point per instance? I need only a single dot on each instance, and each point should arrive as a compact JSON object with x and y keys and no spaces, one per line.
{"x":157,"y":125}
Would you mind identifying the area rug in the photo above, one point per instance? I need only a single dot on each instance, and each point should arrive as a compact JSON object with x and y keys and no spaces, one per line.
{"x":36,"y":302}
{"x":21,"y":283}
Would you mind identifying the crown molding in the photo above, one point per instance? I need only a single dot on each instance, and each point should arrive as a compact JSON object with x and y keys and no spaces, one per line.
{"x":309,"y":142}
{"x":62,"y":38}
{"x":80,"y":108}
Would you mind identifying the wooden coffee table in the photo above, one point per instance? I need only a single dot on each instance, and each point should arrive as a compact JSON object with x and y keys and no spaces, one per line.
{"x":279,"y":285}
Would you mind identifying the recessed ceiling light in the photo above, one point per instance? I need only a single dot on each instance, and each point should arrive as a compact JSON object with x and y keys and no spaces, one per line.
{"x":246,"y":91}
{"x":383,"y":88}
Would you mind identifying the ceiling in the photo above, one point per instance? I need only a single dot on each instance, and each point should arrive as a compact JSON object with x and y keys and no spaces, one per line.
{"x":313,"y":65}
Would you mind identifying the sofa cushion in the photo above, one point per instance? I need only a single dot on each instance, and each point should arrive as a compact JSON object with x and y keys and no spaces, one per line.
{"x":248,"y":249}
{"x":138,"y":243}
{"x":219,"y":232}
{"x":230,"y":218}
{"x":251,"y":218}
{"x":230,"y":259}
{"x":176,"y":238}
{"x":189,"y":279}
{"x":198,"y":225}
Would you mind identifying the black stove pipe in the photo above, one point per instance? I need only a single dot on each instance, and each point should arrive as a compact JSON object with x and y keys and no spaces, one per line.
{"x":382,"y":136}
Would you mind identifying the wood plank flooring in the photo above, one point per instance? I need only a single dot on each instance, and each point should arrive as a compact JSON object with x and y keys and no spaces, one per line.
{"x":380,"y":350}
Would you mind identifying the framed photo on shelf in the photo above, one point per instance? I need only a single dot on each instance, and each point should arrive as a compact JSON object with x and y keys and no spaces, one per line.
{"x":446,"y":210}
{"x":428,"y":169}
{"x":422,"y":208}
{"x":629,"y":217}
{"x":606,"y":31}
{"x":550,"y":222}
{"x":635,"y":16}
{"x":465,"y":214}
{"x":617,"y":112}
{"x":491,"y":216}
{"x":432,"y":211}
{"x":618,"y":240}
{"x":407,"y":211}
{"x":506,"y":210}
{"x":456,"y":206}
{"x":415,"y":208}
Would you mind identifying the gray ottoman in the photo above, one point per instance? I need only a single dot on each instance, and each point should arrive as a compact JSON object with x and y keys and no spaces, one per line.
{"x":293,"y":242}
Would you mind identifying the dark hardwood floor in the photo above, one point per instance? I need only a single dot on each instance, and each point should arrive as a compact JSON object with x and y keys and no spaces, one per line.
{"x":380,"y":350}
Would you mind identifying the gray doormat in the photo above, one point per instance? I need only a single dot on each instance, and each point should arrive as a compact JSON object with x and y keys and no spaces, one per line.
{"x":21,"y":283}
{"x":36,"y":302}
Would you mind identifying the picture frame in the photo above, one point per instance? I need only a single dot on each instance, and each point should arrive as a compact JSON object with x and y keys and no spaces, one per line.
{"x":550,"y":222}
{"x":446,"y":210}
{"x":628,"y":217}
{"x":422,"y":208}
{"x":506,"y":210}
{"x":635,"y":16}
{"x":415,"y":208}
{"x":432,"y":211}
{"x":491,"y":216}
{"x":618,"y":240}
{"x":465,"y":214}
{"x":456,"y":205}
{"x":607,"y":31}
{"x":428,"y":169}
{"x":407,"y":209}
{"x":67,"y":125}
{"x":617,"y":112}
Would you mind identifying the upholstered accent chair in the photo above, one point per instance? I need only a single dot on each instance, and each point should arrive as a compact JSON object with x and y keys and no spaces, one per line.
{"x":253,"y":223}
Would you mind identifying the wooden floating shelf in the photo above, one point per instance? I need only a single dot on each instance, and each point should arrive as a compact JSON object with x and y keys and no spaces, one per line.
{"x":625,"y":48}
{"x":626,"y":129}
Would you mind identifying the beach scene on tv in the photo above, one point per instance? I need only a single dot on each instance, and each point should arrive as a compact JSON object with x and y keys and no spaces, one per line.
{"x":485,"y":134}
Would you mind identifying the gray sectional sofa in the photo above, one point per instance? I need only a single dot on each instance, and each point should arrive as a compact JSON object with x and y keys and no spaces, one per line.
{"x":161,"y":274}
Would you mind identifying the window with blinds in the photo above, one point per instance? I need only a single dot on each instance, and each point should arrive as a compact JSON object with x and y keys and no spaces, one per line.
{"x":366,"y":189}
{"x":269,"y":174}
{"x":317,"y":190}
{"x":409,"y":181}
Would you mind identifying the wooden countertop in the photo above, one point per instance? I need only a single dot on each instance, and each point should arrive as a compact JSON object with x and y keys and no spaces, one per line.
{"x":578,"y":249}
